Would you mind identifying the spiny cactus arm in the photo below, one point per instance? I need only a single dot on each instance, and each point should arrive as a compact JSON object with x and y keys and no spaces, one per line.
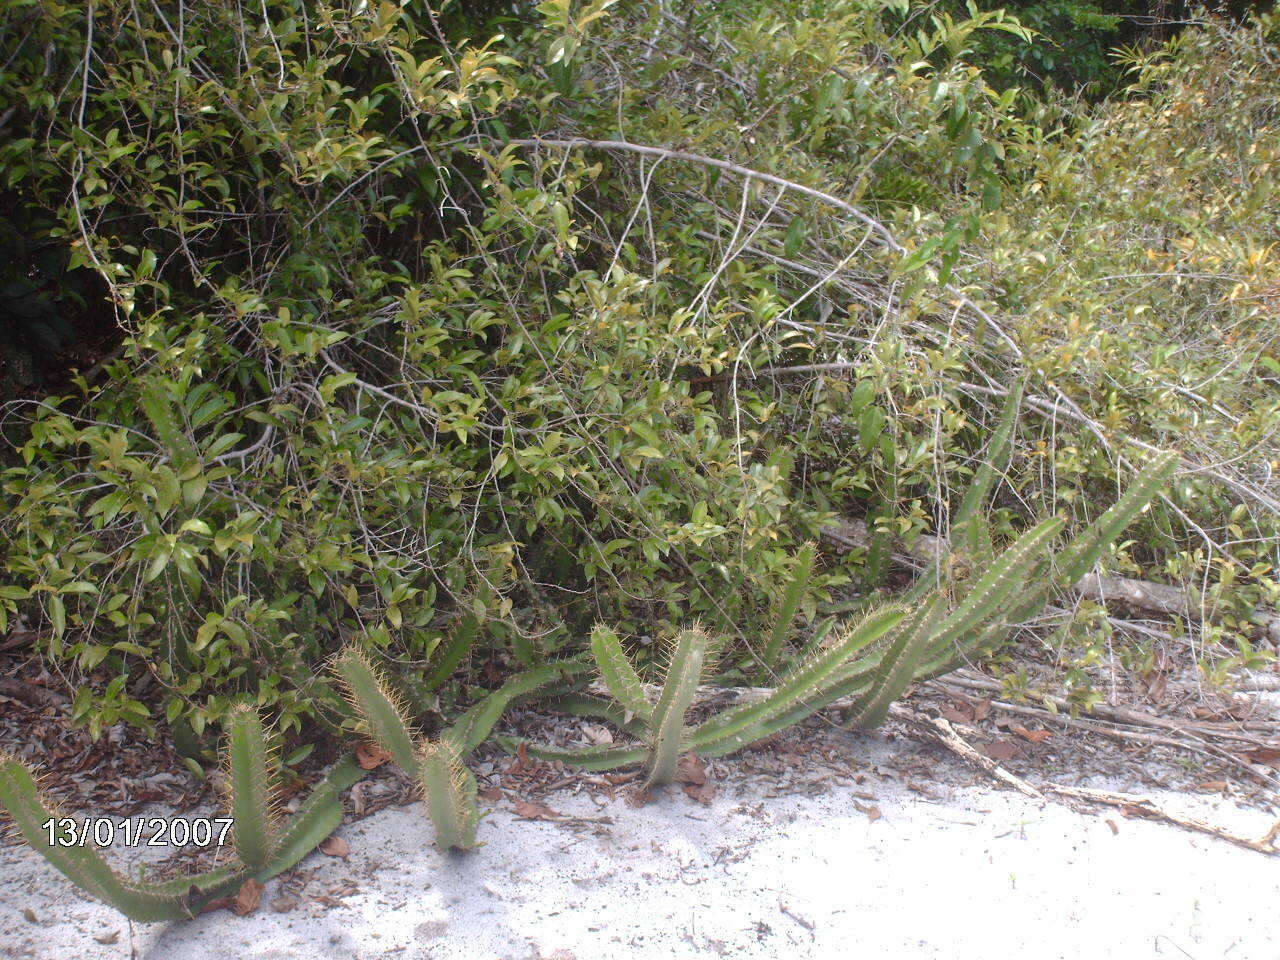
{"x":990,"y":592}
{"x":791,"y":598}
{"x":684,"y":673}
{"x":618,"y":673}
{"x":159,"y":409}
{"x":318,"y":817}
{"x":851,"y":687}
{"x":969,"y":515}
{"x":379,"y":707}
{"x":461,"y":639}
{"x":449,"y":792}
{"x":896,"y":667}
{"x":252,"y":786}
{"x":586,"y":705}
{"x":1025,"y":605}
{"x":474,"y":726}
{"x":1072,"y":563}
{"x":600,"y":757}
{"x":1085,"y":550}
{"x":805,"y":684}
{"x":84,"y":866}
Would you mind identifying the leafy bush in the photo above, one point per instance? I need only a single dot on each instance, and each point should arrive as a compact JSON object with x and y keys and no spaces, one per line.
{"x":409,"y":361}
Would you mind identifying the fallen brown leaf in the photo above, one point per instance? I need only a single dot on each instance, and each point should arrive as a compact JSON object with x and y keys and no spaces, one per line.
{"x":1267,"y":755}
{"x":1212,"y":786}
{"x":873,"y":813}
{"x":1002,"y":750}
{"x":532,"y":810}
{"x":1035,"y":736}
{"x":335,"y":847}
{"x":370,"y":756}
{"x":701,"y":792}
{"x":247,"y":900}
{"x":981,"y":710}
{"x":957,"y":714}
{"x":492,"y":794}
{"x":691,"y":769}
{"x":1115,"y":830}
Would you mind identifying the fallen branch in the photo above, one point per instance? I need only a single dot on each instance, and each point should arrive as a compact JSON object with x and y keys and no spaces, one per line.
{"x":1131,"y":805}
{"x":1188,"y":745}
{"x":940,"y":731}
{"x":1133,"y":717}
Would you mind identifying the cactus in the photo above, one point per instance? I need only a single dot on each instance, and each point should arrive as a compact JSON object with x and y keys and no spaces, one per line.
{"x":450,"y":794}
{"x":251,"y":802}
{"x":896,"y":667}
{"x":969,"y":530}
{"x":435,"y":766}
{"x":618,"y":674}
{"x":159,"y":408}
{"x":1035,"y":584}
{"x":791,"y":598}
{"x":448,"y":787}
{"x":667,"y":727}
{"x":872,"y":662}
{"x":272,"y":850}
{"x":665,"y":734}
{"x":461,"y":639}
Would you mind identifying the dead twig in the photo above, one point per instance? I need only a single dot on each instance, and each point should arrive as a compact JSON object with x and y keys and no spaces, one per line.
{"x":1132,"y":805}
{"x":940,"y":731}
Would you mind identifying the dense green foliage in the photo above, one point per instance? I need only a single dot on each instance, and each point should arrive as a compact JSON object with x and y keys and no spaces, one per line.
{"x":395,"y":371}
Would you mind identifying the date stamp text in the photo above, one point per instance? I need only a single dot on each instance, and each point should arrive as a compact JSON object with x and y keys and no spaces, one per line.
{"x":138,"y":831}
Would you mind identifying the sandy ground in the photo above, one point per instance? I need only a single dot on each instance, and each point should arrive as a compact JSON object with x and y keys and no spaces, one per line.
{"x":903,"y":852}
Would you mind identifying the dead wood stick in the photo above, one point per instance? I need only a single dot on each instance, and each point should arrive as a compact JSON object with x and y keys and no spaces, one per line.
{"x":1133,"y":805}
{"x":938,"y":729}
{"x":941,"y":732}
{"x":1121,"y":715}
{"x":1195,"y":746}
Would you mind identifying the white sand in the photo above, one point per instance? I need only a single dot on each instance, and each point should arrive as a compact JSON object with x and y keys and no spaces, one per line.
{"x":969,"y":872}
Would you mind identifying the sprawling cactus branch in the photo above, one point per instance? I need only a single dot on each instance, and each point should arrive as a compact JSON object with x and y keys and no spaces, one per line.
{"x":264,"y":848}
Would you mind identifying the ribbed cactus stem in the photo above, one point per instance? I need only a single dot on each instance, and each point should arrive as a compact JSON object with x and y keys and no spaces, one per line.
{"x":1087,"y":549}
{"x":449,"y":792}
{"x":790,"y":604}
{"x":251,"y":786}
{"x":740,"y":726}
{"x":159,"y":409}
{"x":458,"y":646}
{"x":618,"y":673}
{"x":970,"y":514}
{"x":684,"y":673}
{"x":81,"y":864}
{"x":379,"y":707}
{"x":991,"y":590}
{"x":896,"y":667}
